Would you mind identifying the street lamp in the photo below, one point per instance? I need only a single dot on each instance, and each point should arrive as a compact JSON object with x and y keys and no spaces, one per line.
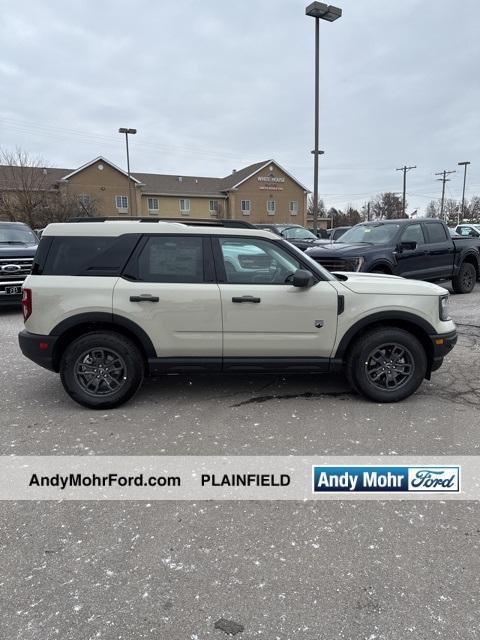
{"x":319,"y":11}
{"x":464,"y":165}
{"x":127,"y":132}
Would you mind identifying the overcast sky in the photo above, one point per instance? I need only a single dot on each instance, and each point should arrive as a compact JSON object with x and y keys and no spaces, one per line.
{"x":214,"y":85}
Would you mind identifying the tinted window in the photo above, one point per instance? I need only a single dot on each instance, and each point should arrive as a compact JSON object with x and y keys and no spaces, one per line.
{"x":436,"y":232}
{"x":172,"y":259}
{"x":83,"y":255}
{"x":413,"y":233}
{"x":256,"y":261}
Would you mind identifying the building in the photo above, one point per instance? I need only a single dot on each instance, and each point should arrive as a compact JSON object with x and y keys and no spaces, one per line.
{"x":261,"y":192}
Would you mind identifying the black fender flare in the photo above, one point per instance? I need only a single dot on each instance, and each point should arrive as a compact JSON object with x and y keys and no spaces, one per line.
{"x":377,"y":318}
{"x":112,"y":319}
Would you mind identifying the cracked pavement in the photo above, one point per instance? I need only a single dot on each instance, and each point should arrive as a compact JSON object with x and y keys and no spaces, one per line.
{"x":363,"y":571}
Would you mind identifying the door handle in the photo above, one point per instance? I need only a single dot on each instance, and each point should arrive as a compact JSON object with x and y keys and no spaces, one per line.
{"x":144,"y":298}
{"x":246,"y":299}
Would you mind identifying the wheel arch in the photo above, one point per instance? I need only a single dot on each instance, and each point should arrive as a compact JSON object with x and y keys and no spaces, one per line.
{"x":78,"y":325}
{"x":418,"y":327}
{"x":386,"y":267}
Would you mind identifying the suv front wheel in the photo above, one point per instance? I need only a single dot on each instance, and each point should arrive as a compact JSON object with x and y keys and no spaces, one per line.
{"x":101,"y":370}
{"x":386,"y":365}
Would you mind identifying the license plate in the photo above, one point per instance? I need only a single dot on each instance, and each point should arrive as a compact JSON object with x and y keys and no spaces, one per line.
{"x":13,"y":291}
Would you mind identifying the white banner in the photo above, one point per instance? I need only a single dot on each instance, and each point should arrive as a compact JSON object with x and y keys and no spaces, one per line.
{"x":239,"y":478}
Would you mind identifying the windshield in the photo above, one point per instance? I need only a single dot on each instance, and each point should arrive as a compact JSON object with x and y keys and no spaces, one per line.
{"x":298,"y":233}
{"x":16,"y":235}
{"x":371,"y":234}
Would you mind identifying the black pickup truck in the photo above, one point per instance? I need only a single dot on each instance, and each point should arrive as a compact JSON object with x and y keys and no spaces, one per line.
{"x":420,"y":249}
{"x":18,"y":244}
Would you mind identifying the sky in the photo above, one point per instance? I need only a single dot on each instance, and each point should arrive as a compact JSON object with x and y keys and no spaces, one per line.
{"x":212,"y":86}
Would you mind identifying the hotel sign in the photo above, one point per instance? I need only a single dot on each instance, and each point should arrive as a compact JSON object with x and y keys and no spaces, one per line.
{"x":271,"y":182}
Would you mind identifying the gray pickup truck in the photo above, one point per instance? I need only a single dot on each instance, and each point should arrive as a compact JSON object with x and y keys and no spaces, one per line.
{"x":421,"y":249}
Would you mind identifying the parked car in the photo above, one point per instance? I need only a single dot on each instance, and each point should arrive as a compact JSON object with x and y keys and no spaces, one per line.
{"x":468,"y":230}
{"x":110,"y":302}
{"x":18,"y":244}
{"x":424,"y":250}
{"x":295,"y":234}
{"x":336,"y":233}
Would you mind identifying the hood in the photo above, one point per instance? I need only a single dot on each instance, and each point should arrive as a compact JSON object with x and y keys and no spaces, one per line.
{"x":369,"y":283}
{"x":331,"y":249}
{"x":17,"y":250}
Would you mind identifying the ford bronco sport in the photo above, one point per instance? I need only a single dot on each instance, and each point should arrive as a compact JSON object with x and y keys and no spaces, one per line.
{"x":110,"y":301}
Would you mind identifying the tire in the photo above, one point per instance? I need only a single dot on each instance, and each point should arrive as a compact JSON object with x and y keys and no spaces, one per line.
{"x":392,"y":382}
{"x":464,"y":281}
{"x":101,"y":370}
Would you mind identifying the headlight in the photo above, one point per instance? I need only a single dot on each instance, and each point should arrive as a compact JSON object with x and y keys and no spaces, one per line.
{"x":443,"y":308}
{"x":356,"y":263}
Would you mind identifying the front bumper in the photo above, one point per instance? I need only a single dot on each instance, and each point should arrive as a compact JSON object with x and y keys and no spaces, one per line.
{"x":38,"y":348}
{"x":442,"y":345}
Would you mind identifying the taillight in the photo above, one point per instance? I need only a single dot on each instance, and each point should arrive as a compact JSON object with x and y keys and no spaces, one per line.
{"x":26,"y":303}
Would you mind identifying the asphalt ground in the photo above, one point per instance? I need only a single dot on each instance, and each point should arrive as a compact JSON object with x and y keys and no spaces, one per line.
{"x":316,"y":571}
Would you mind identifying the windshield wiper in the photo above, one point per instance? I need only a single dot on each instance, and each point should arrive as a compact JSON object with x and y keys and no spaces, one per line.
{"x":13,"y":242}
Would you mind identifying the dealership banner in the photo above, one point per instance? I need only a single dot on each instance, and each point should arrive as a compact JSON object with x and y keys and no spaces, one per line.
{"x":239,"y":478}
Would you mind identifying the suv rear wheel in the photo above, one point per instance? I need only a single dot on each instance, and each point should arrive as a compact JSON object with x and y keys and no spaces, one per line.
{"x":386,"y":365}
{"x":101,"y":370}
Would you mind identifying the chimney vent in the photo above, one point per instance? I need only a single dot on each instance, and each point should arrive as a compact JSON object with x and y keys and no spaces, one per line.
{"x":234,"y":171}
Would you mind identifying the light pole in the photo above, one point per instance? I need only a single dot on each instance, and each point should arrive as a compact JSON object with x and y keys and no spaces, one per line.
{"x":319,"y":11}
{"x":127,"y":132}
{"x":464,"y":165}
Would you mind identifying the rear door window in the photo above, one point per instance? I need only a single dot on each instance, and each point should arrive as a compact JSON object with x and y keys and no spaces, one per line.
{"x":436,"y":232}
{"x":171,"y":259}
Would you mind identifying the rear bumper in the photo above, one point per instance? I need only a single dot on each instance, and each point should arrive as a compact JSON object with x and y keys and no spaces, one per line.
{"x":10,"y":301}
{"x":38,"y":348}
{"x":442,"y":345}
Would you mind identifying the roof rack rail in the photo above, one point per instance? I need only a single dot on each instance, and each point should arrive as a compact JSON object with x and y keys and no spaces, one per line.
{"x":198,"y":222}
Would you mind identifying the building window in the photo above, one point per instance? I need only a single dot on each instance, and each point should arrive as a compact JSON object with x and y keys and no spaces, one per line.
{"x":245,"y":207}
{"x":293,"y":207}
{"x":271,"y":207}
{"x":213,"y":207}
{"x":185,"y":206}
{"x":153,"y":206}
{"x":122,"y":203}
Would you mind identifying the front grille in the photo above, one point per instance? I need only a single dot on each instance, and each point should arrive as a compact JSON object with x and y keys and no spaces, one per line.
{"x":6,"y":274}
{"x":335,"y":264}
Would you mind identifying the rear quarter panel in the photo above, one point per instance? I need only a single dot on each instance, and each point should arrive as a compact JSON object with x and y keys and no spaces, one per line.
{"x":55,"y":298}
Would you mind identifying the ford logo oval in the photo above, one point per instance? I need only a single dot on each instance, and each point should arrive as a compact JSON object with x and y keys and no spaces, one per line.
{"x":10,"y":268}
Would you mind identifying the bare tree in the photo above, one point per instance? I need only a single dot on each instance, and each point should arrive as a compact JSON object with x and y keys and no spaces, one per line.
{"x":27,"y":193}
{"x":388,"y":206}
{"x":25,"y":186}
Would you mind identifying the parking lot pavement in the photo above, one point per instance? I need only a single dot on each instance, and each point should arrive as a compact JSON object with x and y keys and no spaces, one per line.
{"x":283,"y":570}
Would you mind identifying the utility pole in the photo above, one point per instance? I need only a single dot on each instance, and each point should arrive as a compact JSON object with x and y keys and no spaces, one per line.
{"x":444,"y":180}
{"x":405,"y":169}
{"x":368,"y":211}
{"x":464,"y":164}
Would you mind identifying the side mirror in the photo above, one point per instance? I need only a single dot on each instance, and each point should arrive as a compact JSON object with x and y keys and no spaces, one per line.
{"x":407,"y":246}
{"x":303,"y":278}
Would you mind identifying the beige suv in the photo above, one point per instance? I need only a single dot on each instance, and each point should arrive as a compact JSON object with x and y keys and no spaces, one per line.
{"x":110,"y":301}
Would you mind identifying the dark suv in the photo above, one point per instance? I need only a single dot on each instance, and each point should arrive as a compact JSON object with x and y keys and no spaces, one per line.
{"x":18,"y":245}
{"x":295,"y":234}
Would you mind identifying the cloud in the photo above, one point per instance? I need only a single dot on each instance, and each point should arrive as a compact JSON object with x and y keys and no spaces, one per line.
{"x":212,"y":86}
